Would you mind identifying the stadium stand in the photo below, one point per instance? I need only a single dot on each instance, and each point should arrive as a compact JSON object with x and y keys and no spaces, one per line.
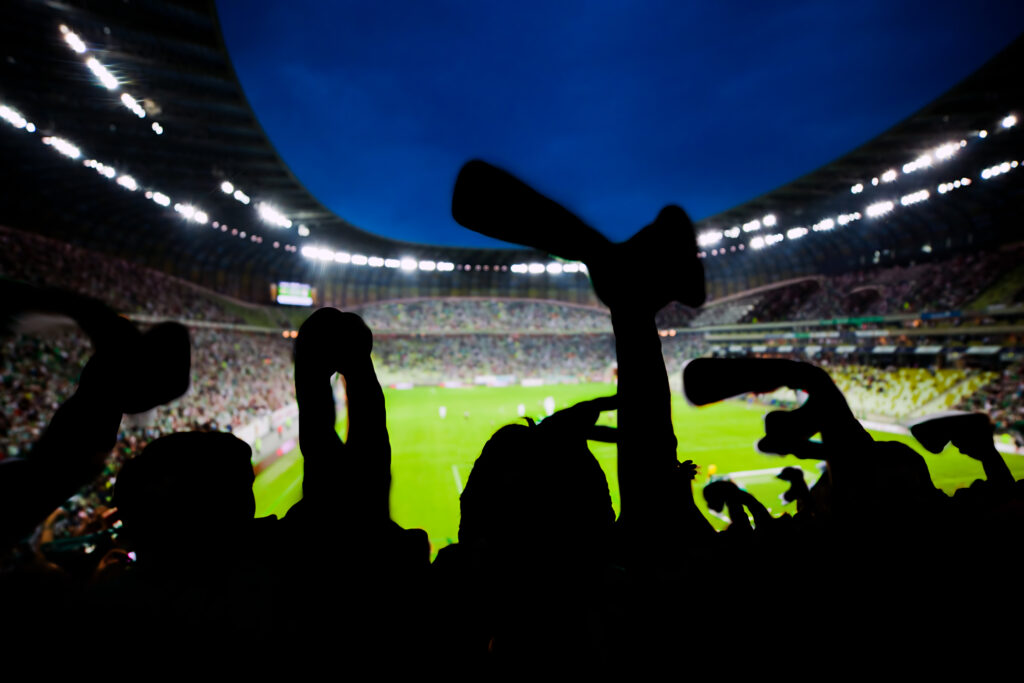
{"x":427,"y":316}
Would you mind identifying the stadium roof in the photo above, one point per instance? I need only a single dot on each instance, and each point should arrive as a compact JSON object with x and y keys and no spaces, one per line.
{"x":170,"y":60}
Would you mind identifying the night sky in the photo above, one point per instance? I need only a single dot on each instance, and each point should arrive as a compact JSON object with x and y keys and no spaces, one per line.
{"x":613,"y":108}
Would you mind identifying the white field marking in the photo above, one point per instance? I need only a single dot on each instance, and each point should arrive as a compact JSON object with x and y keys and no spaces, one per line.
{"x":458,"y":479}
{"x":753,"y":474}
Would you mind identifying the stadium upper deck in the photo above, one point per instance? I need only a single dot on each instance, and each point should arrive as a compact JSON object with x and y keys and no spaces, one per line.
{"x":130,"y":133}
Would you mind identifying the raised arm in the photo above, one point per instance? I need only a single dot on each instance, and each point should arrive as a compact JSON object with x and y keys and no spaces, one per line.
{"x":330,"y":342}
{"x":129,"y":373}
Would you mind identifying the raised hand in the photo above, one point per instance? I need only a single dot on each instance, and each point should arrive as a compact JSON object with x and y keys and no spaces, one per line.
{"x":579,"y":421}
{"x":492,"y":202}
{"x":971,"y":433}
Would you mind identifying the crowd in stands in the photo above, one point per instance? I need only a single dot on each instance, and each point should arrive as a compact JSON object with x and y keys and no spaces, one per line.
{"x":940,"y":286}
{"x":434,"y":358}
{"x":125,"y":286}
{"x":448,"y":315}
{"x":899,"y":392}
{"x":930,"y":287}
{"x":1003,"y":400}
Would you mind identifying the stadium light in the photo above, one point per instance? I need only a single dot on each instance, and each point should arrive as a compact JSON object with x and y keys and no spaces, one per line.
{"x":773,"y":239}
{"x":769,"y":220}
{"x":62,"y":146}
{"x":303,"y":231}
{"x":825,"y":224}
{"x":392,"y":263}
{"x":342,"y":257}
{"x":100,"y":71}
{"x":226,"y":187}
{"x":946,"y":151}
{"x":711,"y":237}
{"x":983,"y":134}
{"x":408,"y":264}
{"x":536,"y":268}
{"x":359,"y":260}
{"x":554,"y":268}
{"x":127,"y":182}
{"x":375,"y":262}
{"x":571,"y":268}
{"x":752,"y":225}
{"x":157,"y":128}
{"x":192,"y":213}
{"x":99,"y":167}
{"x":732,"y":233}
{"x":427,"y":266}
{"x":1010,"y":121}
{"x":889,"y":175}
{"x":241,"y":196}
{"x":129,"y":101}
{"x":923,"y":161}
{"x":757,"y":243}
{"x":445,"y":266}
{"x":879,"y":209}
{"x":519,"y":268}
{"x":271,"y":215}
{"x":13,"y":117}
{"x":857,"y":189}
{"x":914,"y":197}
{"x":796,"y":233}
{"x":161,"y":199}
{"x":72,"y":39}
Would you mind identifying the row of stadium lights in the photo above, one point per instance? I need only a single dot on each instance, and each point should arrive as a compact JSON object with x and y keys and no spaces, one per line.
{"x":105,"y":77}
{"x":410,"y":264}
{"x":941,"y":153}
{"x":267,"y":212}
{"x":272,"y":215}
{"x":128,"y":182}
{"x":191,"y":213}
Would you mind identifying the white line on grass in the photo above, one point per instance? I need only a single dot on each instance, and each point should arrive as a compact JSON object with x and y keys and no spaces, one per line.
{"x":458,"y":479}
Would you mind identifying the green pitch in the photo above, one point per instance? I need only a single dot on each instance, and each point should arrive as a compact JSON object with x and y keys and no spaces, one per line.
{"x":432,"y":456}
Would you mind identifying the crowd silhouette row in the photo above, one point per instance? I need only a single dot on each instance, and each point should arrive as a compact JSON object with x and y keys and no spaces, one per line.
{"x":543,"y":567}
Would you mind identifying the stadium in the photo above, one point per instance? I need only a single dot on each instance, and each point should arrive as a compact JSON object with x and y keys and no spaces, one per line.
{"x":138,"y":175}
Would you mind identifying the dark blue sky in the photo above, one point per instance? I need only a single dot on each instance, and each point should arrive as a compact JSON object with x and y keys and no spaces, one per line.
{"x":613,"y":108}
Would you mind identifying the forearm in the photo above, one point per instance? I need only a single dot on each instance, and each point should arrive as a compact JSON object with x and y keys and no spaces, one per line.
{"x":68,"y":455}
{"x":367,"y":416}
{"x":996,"y":470}
{"x":647,"y":443}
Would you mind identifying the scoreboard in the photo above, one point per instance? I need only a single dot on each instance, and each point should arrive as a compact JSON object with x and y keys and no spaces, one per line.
{"x":294,"y":294}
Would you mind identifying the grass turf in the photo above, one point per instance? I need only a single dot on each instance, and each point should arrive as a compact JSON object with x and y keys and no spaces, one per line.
{"x":432,"y":456}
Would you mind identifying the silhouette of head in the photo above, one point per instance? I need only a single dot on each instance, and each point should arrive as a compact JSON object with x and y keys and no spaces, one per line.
{"x":195,"y":483}
{"x":536,"y":484}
